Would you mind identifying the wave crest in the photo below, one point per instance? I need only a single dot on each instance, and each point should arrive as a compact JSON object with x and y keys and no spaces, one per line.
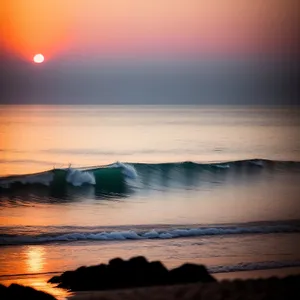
{"x":171,"y":233}
{"x":72,"y":176}
{"x":117,"y":178}
{"x":78,"y":177}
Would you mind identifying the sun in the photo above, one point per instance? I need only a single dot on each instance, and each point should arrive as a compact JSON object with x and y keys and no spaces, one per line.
{"x":38,"y":58}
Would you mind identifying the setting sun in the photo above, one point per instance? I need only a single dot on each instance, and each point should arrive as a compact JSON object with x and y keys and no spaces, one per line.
{"x":38,"y":58}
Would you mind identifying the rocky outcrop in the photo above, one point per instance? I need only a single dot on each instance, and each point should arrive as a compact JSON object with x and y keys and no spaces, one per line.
{"x":20,"y":292}
{"x":136,"y":272}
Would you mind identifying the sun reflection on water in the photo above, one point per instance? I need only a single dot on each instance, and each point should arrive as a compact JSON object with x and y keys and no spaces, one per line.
{"x":35,"y":259}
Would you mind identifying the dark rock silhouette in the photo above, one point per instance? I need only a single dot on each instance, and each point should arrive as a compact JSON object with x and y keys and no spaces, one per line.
{"x":251,"y":289}
{"x":20,"y":292}
{"x":136,"y":272}
{"x":190,"y":273}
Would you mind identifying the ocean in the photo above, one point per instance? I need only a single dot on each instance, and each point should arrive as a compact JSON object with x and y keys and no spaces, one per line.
{"x":79,"y":185}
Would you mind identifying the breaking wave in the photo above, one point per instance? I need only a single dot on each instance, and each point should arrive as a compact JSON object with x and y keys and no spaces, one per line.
{"x":99,"y":234}
{"x":111,"y":178}
{"x":118,"y":173}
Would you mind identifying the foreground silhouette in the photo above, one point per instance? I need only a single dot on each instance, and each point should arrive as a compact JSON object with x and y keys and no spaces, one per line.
{"x":137,"y":279}
{"x":20,"y":292}
{"x":136,"y":272}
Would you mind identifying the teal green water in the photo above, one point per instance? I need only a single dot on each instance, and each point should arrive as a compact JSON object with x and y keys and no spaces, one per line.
{"x":120,"y":165}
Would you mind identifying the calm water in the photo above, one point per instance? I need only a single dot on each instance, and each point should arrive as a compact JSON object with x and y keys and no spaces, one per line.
{"x":82,"y":184}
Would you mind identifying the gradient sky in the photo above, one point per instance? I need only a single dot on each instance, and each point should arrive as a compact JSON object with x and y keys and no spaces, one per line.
{"x":90,"y":31}
{"x":92,"y":27}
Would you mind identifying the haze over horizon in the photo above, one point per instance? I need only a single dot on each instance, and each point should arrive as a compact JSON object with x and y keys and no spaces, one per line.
{"x":131,"y":52}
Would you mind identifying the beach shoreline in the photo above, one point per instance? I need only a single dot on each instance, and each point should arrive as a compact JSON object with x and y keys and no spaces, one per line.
{"x":39,"y":282}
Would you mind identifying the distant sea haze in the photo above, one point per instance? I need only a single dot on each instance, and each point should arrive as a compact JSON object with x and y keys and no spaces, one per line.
{"x":245,"y":80}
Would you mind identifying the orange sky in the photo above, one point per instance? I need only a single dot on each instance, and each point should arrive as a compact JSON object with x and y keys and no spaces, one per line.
{"x":128,"y":26}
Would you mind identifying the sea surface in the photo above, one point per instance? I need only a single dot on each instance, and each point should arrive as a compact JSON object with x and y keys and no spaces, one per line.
{"x":80,"y":185}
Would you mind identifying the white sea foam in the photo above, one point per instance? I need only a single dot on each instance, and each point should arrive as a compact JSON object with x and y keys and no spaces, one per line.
{"x":151,"y":234}
{"x":166,"y":235}
{"x":223,"y":166}
{"x":78,"y":178}
{"x":128,"y":170}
